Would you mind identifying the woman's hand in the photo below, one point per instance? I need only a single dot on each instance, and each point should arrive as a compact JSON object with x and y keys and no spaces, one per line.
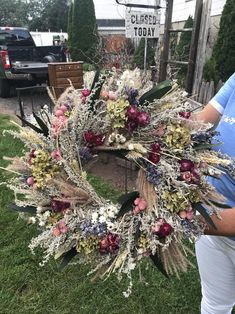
{"x":225,"y":226}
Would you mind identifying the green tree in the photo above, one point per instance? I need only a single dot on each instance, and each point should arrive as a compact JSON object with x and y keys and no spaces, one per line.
{"x":13,"y":13}
{"x":69,"y":26}
{"x":224,"y":49}
{"x":139,"y":54}
{"x":181,"y":52}
{"x":49,"y":15}
{"x":183,"y":47}
{"x":83,"y":34}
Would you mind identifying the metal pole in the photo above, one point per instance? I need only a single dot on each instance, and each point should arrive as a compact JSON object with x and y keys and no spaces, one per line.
{"x":145,"y":53}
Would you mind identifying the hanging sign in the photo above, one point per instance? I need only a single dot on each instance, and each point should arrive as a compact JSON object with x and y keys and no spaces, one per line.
{"x":141,"y":24}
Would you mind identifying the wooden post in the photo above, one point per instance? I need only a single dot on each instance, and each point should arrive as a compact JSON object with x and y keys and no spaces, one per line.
{"x":166,"y":39}
{"x":193,"y":46}
{"x":202,"y":42}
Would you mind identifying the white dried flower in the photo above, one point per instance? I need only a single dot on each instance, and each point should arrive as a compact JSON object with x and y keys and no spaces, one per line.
{"x":94,"y":217}
{"x":32,"y":220}
{"x":39,"y":209}
{"x":110,"y":226}
{"x":120,"y":138}
{"x":41,"y":223}
{"x":102,"y":219}
{"x":111,"y":138}
{"x":130,"y":146}
{"x":102,"y":210}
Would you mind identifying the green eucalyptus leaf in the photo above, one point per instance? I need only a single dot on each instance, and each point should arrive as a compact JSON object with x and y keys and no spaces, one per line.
{"x":32,"y":126}
{"x":41,"y":124}
{"x":156,"y":92}
{"x":96,"y":79}
{"x":25,"y":209}
{"x":95,"y":93}
{"x":68,"y":256}
{"x":158,"y":263}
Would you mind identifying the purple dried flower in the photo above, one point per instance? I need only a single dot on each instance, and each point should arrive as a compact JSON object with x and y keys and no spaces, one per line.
{"x":153,"y":174}
{"x":93,"y":229}
{"x":85,"y":154}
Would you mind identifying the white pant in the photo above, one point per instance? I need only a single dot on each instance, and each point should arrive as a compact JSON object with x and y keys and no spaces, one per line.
{"x":216,"y":262}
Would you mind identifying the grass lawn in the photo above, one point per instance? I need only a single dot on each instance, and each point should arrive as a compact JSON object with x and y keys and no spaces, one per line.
{"x":26,"y":288}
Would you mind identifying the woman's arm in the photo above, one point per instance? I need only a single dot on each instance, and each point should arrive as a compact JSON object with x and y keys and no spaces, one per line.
{"x":208,"y":115}
{"x":224,"y":226}
{"x":215,"y":109}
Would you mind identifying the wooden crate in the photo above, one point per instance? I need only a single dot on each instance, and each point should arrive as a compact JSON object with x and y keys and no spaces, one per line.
{"x":60,"y":72}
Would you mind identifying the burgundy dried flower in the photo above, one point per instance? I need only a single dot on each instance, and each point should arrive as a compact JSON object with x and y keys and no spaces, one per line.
{"x":59,"y":206}
{"x":132,"y":112}
{"x":154,"y":158}
{"x":165,"y":230}
{"x":185,"y":114}
{"x":109,"y":244}
{"x":143,"y":118}
{"x":186,"y":165}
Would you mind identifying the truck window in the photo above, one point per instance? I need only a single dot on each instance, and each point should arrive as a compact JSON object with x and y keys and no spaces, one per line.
{"x":16,"y":37}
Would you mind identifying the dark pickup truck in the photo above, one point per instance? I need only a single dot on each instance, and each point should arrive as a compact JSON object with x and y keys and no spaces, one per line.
{"x":22,"y":63}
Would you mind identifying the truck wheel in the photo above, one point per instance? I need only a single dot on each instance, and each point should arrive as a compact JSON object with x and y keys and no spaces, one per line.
{"x":5,"y":88}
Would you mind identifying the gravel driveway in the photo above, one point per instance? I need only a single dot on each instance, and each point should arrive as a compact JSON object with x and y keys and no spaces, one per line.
{"x":31,"y":100}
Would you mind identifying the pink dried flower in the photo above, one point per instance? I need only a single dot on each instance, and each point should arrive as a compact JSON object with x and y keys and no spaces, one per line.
{"x":60,"y":228}
{"x":141,"y":205}
{"x":58,"y":123}
{"x":112,"y":95}
{"x":30,"y":181}
{"x":63,"y":108}
{"x":59,"y":113}
{"x":55,"y":154}
{"x":183,"y":214}
{"x":160,"y":131}
{"x":86,"y":92}
{"x":56,"y":231}
{"x":104,"y":95}
{"x":185,"y":114}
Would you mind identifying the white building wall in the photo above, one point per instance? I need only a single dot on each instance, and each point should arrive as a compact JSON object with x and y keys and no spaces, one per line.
{"x":183,"y":8}
{"x":109,"y":9}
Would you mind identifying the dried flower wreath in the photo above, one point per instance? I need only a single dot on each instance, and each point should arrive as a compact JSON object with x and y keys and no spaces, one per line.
{"x":151,"y":127}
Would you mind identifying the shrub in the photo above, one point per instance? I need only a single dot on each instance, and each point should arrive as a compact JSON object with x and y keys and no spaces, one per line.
{"x":224,"y":49}
{"x":139,"y":54}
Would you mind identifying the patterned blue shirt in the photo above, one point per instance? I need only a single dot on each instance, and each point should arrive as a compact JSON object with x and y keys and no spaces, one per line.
{"x":224,"y":103}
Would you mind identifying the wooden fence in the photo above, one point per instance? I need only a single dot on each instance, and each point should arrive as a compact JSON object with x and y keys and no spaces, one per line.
{"x":206,"y":91}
